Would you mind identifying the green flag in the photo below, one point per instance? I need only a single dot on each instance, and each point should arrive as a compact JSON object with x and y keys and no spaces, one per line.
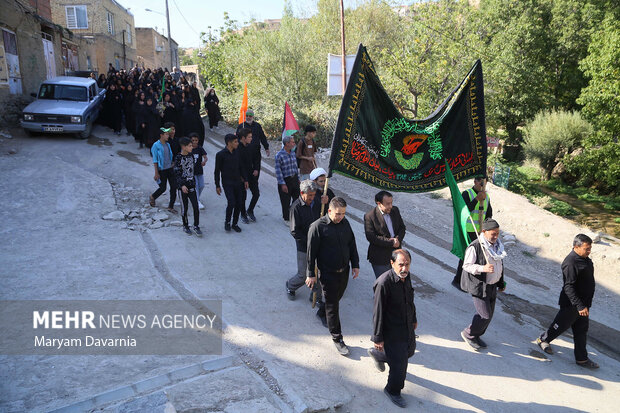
{"x":461,"y":215}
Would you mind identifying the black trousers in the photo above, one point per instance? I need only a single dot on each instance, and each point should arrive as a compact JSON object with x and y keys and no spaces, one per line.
{"x":234,"y":196}
{"x":485,"y":307}
{"x":286,"y":199}
{"x":253,"y":187}
{"x":569,"y":317}
{"x":193,"y":198}
{"x":459,"y":269}
{"x":397,"y":351}
{"x":334,"y":284}
{"x":167,"y":175}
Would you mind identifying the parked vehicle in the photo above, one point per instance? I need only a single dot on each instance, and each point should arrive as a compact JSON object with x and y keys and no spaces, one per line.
{"x":64,"y":104}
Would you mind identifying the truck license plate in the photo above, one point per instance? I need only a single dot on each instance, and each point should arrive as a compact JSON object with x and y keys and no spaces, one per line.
{"x":52,"y":129}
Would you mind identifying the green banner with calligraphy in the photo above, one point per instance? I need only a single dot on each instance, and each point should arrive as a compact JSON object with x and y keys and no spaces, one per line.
{"x":374,"y":143}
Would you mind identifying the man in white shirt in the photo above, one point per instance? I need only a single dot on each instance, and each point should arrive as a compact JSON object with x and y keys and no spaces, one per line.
{"x":483,"y":275}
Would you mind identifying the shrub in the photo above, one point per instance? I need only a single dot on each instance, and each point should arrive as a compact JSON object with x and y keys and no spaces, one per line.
{"x":553,"y":134}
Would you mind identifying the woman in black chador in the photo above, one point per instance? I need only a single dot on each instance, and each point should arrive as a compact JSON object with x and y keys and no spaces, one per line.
{"x":130,"y":120}
{"x":170,"y":109}
{"x":153,"y":122}
{"x":212,"y":103}
{"x":140,"y":113}
{"x":191,"y":121}
{"x":113,"y":108}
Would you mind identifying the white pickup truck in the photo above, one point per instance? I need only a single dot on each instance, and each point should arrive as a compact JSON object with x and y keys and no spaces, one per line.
{"x":64,"y":104}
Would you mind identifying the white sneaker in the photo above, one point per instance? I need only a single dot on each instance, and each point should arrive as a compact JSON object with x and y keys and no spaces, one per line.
{"x":200,"y":206}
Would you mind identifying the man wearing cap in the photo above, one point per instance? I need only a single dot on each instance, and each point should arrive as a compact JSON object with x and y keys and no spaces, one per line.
{"x":162,"y":161}
{"x":479,"y":205}
{"x":483,"y":275}
{"x":305,"y":152}
{"x":258,"y":135}
{"x":318,"y":175}
{"x":385,"y":230}
{"x":286,"y":174}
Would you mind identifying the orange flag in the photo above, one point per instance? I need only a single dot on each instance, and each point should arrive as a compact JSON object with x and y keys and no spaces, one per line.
{"x":244,"y":104}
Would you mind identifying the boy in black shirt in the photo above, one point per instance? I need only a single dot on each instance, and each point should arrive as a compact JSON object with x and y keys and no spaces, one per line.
{"x":186,"y":182}
{"x":250,"y":162}
{"x":200,"y":159}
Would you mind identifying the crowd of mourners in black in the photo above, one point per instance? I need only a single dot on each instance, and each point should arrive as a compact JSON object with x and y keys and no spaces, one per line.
{"x":143,"y":100}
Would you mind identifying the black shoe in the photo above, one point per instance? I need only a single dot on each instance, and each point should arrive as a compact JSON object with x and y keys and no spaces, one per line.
{"x":588,"y":364}
{"x":397,"y":399}
{"x":236,"y":228}
{"x":187,"y":230}
{"x":481,"y":343}
{"x":341,"y":347}
{"x":323,"y":319}
{"x":472,"y":343}
{"x":245,"y":220}
{"x":227,"y":226}
{"x":198,"y":231}
{"x":290,"y":294}
{"x":251,"y":216}
{"x":380,"y":365}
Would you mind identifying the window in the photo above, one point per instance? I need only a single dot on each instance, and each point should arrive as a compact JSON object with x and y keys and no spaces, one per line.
{"x":63,"y":92}
{"x":76,"y":17}
{"x":128,"y":33}
{"x":110,"y":23}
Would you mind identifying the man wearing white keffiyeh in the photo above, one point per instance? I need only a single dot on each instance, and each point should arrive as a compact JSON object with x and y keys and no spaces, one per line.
{"x":483,"y":275}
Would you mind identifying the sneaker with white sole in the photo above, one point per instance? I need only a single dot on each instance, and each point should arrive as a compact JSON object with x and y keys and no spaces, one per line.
{"x":341,"y":347}
{"x":200,"y":206}
{"x":544,"y":346}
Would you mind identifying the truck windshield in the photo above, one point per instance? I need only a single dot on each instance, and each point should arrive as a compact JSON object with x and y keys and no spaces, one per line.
{"x":63,"y":92}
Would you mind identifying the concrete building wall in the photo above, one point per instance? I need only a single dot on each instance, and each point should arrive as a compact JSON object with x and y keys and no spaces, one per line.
{"x":108,"y":47}
{"x":153,"y":49}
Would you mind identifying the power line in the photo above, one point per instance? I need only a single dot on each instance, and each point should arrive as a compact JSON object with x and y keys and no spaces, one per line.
{"x":188,"y":25}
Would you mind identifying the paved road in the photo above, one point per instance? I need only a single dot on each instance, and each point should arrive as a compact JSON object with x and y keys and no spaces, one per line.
{"x":56,"y":246}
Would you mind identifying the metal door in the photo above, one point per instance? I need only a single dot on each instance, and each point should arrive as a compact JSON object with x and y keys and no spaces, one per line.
{"x":12,"y":62}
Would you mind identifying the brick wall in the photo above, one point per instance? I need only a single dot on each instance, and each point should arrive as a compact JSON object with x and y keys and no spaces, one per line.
{"x":147,"y":41}
{"x":107,"y":48}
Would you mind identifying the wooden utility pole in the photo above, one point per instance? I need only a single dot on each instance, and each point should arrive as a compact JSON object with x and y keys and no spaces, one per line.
{"x":344,"y":55}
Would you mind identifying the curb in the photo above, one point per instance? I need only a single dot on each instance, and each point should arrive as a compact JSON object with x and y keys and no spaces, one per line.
{"x":148,"y":385}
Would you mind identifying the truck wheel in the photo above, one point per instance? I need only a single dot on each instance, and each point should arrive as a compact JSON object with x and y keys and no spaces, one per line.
{"x":87,"y":131}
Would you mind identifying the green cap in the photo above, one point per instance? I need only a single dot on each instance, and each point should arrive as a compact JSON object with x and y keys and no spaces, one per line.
{"x":164,"y":130}
{"x":249,"y":112}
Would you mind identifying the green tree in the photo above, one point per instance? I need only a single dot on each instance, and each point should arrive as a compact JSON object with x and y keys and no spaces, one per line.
{"x":552,"y":135}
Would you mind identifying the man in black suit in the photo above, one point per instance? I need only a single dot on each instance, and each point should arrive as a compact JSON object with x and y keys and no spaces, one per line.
{"x":385,"y":230}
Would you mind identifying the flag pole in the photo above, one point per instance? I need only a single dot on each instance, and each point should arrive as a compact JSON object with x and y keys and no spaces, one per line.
{"x":486,"y":257}
{"x":316,"y":270}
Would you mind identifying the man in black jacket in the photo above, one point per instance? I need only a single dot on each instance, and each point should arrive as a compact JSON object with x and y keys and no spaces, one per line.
{"x":331,"y":244}
{"x":258,"y":139}
{"x":385,"y":230}
{"x":575,"y":302}
{"x":234,"y":180}
{"x":250,"y":161}
{"x":483,"y":275}
{"x":394,"y":321}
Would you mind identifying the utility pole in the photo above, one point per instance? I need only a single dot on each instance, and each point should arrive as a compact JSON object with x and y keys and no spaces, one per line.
{"x":169,"y":38}
{"x":344,"y":55}
{"x":124,"y":52}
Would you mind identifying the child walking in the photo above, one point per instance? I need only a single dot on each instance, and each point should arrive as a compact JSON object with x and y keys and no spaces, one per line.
{"x":186,"y":182}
